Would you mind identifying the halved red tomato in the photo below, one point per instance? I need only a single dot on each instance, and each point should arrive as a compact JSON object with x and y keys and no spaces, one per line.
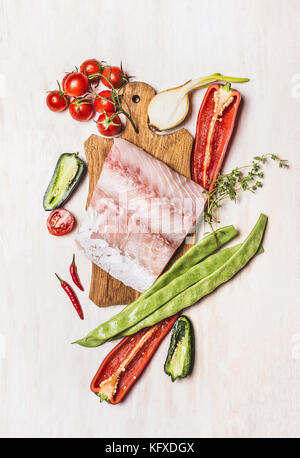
{"x":60,"y":222}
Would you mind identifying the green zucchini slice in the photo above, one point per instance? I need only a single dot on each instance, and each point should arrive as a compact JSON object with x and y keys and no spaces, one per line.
{"x":180,"y":358}
{"x":66,"y":176}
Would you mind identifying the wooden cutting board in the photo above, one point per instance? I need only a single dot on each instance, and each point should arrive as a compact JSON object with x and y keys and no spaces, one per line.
{"x":174,"y":149}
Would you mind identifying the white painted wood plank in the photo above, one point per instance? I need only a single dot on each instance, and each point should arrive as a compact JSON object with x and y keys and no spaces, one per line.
{"x":247,"y":372}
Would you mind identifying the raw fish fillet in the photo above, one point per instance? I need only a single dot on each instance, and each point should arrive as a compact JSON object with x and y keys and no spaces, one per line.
{"x":140,"y":213}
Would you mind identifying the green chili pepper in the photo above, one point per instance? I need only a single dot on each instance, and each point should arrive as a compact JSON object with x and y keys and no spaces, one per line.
{"x":180,"y":358}
{"x":140,"y":309}
{"x":190,"y":296}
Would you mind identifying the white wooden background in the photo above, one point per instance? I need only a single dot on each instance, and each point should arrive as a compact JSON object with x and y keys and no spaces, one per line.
{"x":246,"y":380}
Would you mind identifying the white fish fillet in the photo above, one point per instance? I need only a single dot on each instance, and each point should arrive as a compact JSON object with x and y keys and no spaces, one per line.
{"x":140,"y":213}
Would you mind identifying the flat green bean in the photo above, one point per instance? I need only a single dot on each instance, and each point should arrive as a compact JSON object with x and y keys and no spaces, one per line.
{"x":193,"y":256}
{"x":194,"y":275}
{"x":140,"y":309}
{"x":190,"y":296}
{"x":180,"y":284}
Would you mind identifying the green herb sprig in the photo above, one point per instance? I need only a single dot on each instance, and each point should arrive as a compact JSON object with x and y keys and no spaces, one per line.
{"x":230,"y":185}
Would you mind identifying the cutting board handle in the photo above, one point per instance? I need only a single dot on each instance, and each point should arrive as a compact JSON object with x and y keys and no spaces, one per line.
{"x":137,"y":96}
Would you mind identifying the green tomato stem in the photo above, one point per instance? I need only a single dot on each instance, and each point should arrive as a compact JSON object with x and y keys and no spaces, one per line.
{"x":203,"y":81}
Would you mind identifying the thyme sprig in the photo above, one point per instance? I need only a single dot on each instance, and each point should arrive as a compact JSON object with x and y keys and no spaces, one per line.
{"x":230,"y":185}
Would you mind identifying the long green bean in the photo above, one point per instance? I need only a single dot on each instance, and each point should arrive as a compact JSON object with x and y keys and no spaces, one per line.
{"x":190,"y":296}
{"x":193,"y":256}
{"x":145,"y":313}
{"x":140,"y":309}
{"x":180,"y":284}
{"x":194,"y":275}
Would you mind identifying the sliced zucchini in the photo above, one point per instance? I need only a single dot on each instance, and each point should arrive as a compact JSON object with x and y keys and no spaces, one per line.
{"x":180,"y":358}
{"x":66,"y":176}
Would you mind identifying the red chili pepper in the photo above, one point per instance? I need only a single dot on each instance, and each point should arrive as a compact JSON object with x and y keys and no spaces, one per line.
{"x":123,"y":365}
{"x":72,"y":295}
{"x":74,"y":274}
{"x":215,"y":125}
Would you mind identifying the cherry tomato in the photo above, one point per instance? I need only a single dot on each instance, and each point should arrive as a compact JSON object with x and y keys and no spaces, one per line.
{"x":113,"y":76}
{"x":103,"y":102}
{"x":57,"y":101}
{"x":76,"y":84}
{"x":63,"y":83}
{"x":90,"y":67}
{"x":109,"y":124}
{"x":81,"y":109}
{"x":60,"y":222}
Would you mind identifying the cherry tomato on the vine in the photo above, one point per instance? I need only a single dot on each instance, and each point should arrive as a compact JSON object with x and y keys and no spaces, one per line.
{"x":60,"y":222}
{"x":104,"y":103}
{"x":63,"y":82}
{"x":90,"y":67}
{"x":82,"y":109}
{"x":76,"y":84}
{"x":113,"y":76}
{"x":57,"y":101}
{"x":109,"y":124}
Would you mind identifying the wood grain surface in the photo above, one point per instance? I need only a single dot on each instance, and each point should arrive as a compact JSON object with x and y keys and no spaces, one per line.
{"x":174,"y":149}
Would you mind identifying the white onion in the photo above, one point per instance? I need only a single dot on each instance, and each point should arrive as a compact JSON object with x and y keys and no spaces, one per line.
{"x":169,"y":108}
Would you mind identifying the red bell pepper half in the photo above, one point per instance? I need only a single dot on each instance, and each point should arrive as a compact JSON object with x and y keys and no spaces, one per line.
{"x":123,"y":365}
{"x":215,"y":125}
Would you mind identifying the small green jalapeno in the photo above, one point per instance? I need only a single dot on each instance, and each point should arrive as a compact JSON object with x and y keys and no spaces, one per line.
{"x":180,"y":358}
